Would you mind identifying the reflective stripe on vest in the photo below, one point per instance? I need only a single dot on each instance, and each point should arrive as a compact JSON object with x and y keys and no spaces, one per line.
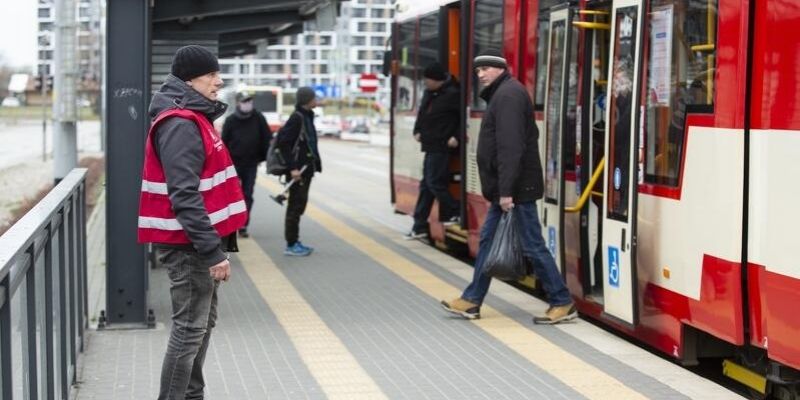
{"x":205,"y":184}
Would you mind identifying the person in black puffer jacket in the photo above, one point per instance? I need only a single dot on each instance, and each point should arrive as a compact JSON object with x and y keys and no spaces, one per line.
{"x":511,"y":177}
{"x":436,"y":128}
{"x":247,"y":135}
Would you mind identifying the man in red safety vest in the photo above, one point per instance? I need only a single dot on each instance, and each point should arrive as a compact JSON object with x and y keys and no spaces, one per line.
{"x":190,"y":208}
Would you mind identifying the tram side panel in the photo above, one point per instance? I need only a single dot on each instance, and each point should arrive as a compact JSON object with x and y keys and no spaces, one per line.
{"x":774,"y":218}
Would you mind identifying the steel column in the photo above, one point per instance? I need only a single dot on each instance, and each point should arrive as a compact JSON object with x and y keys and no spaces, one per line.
{"x":127,"y":99}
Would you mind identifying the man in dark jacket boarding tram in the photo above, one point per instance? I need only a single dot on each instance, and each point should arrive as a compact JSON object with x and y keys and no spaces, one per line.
{"x":436,"y":128}
{"x":511,"y":177}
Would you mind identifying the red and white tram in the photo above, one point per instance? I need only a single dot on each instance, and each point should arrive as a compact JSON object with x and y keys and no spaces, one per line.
{"x":670,"y":137}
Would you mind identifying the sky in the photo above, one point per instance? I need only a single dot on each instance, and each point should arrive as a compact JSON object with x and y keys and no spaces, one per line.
{"x":18,"y":28}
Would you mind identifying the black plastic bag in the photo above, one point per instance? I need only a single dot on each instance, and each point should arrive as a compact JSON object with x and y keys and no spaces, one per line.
{"x":506,"y":260}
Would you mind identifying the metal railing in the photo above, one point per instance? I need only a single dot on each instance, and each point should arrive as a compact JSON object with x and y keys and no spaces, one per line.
{"x":43,"y":304}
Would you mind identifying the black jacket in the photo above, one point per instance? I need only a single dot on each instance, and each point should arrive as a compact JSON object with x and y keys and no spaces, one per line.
{"x":180,"y":149}
{"x":508,"y":148}
{"x":247,"y":137}
{"x":438,"y":117}
{"x":308,"y":153}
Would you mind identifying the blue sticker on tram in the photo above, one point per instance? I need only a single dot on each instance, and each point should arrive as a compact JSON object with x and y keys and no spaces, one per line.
{"x":613,"y":266}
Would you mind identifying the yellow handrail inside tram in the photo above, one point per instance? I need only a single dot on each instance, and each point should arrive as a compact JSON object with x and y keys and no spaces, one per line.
{"x":593,"y":12}
{"x":591,"y":25}
{"x":588,"y":189}
{"x":704,"y":47}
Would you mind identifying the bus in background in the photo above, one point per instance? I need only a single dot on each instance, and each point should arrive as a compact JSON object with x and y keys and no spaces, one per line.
{"x":267,"y":99}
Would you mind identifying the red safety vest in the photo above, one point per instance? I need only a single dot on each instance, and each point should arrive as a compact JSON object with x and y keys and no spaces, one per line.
{"x":219,"y":186}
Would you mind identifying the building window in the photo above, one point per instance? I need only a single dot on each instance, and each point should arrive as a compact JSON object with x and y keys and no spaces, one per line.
{"x":45,"y":26}
{"x":325,"y":40}
{"x":311,"y":54}
{"x":379,"y":13}
{"x":326,"y":55}
{"x":226,"y":68}
{"x":379,"y":27}
{"x":358,"y":40}
{"x":378,"y":41}
{"x":323,"y":68}
{"x":295,"y":54}
{"x":44,"y":13}
{"x":358,"y":12}
{"x":359,"y":69}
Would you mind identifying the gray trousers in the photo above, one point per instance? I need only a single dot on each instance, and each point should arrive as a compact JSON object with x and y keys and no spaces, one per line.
{"x":194,"y":314}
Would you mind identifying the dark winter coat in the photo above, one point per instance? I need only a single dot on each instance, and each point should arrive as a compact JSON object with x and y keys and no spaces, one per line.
{"x":309,"y":151}
{"x":247,"y":137}
{"x":508,"y":148}
{"x":181,"y":152}
{"x":438,"y":117}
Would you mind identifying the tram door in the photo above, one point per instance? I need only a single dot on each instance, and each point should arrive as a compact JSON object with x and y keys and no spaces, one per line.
{"x":591,"y":142}
{"x":554,"y":126}
{"x":621,"y":165}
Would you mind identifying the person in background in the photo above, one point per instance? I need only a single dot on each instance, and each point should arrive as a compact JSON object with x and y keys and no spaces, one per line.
{"x":299,"y":129}
{"x":247,"y":135}
{"x":436,"y":128}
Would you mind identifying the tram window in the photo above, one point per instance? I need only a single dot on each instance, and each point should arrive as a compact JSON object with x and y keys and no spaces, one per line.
{"x":621,"y":112}
{"x":428,"y":48}
{"x":541,"y":63}
{"x":555,"y":80}
{"x":680,"y":79}
{"x":570,"y":131}
{"x":488,"y":26}
{"x":406,"y":56}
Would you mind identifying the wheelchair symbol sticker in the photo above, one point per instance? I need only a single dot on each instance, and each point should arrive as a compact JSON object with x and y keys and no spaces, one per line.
{"x":613,"y":266}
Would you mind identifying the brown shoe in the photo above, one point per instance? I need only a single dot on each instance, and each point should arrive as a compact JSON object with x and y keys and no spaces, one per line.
{"x":557,"y":314}
{"x":462,"y":308}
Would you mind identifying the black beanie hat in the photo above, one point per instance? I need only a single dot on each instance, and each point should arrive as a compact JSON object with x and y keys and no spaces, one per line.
{"x":193,"y":61}
{"x":490,"y":58}
{"x":304,"y":95}
{"x":435,"y":71}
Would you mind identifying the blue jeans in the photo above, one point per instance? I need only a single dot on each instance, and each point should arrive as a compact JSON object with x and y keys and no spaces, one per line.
{"x":534,"y":248}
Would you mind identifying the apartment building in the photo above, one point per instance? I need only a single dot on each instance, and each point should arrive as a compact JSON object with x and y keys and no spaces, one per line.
{"x":333,"y":59}
{"x":90,"y":62}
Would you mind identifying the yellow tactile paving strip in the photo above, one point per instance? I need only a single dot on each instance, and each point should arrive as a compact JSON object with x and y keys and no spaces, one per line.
{"x":584,"y":378}
{"x":333,"y":367}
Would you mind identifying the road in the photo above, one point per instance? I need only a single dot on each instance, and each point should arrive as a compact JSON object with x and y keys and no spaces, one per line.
{"x":22,"y":142}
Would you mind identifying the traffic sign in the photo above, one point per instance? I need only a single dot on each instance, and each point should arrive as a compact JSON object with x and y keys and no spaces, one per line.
{"x":368,"y":83}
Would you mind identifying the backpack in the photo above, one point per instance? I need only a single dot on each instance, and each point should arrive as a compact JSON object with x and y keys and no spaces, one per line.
{"x":277,"y":162}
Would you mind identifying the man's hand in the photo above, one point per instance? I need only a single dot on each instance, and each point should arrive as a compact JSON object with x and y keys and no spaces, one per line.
{"x":296,"y":175}
{"x":417,"y":137}
{"x":506,"y":203}
{"x":452,"y":143}
{"x":221,"y":271}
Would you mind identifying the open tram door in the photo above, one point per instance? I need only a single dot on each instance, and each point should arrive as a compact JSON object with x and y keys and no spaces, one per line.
{"x":622,"y":163}
{"x":555,"y":125}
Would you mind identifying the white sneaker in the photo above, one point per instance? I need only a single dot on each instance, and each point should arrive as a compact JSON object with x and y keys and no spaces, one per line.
{"x":415,"y":235}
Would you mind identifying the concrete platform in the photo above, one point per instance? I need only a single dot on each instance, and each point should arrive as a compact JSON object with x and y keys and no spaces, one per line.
{"x":359,"y":318}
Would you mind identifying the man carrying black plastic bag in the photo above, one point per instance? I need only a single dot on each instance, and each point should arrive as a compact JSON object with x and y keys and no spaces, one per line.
{"x":511,"y":177}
